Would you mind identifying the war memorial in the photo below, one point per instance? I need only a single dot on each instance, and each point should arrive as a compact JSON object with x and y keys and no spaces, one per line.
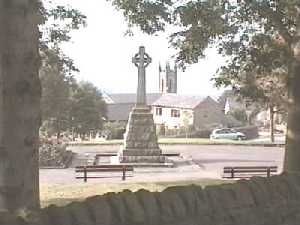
{"x":140,"y":140}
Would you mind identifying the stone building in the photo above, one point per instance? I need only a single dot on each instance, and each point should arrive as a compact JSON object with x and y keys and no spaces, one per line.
{"x":119,"y":105}
{"x":169,"y":108}
{"x":174,"y":111}
{"x":167,"y":79}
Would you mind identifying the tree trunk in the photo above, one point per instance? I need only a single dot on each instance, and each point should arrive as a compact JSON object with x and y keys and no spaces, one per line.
{"x":272,"y":123}
{"x":292,"y":149}
{"x":20,"y":93}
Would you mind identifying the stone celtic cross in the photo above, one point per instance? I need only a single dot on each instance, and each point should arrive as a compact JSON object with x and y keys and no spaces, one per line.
{"x":141,"y":60}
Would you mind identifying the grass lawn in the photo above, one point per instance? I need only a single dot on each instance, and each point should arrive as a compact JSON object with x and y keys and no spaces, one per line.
{"x":169,"y":141}
{"x":200,"y":141}
{"x":64,"y":194}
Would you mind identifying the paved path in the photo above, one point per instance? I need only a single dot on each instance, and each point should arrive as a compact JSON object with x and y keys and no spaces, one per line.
{"x":196,"y":161}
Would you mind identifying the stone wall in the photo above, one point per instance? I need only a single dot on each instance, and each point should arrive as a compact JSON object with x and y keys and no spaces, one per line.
{"x":260,"y":201}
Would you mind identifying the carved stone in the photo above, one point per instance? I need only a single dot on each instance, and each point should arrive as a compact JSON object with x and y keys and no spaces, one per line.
{"x":140,"y":140}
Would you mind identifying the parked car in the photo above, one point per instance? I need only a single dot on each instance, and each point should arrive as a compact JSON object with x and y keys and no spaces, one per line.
{"x":227,"y":133}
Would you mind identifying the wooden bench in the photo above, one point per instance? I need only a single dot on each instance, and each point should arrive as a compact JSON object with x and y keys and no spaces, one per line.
{"x":248,"y":171}
{"x":106,"y":154}
{"x":89,"y":172}
{"x":109,"y":154}
{"x":171,"y":154}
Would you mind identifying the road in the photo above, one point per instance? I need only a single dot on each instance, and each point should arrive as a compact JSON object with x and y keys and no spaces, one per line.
{"x":196,"y":161}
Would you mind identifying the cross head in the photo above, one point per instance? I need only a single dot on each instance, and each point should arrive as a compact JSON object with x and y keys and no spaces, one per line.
{"x":141,"y":59}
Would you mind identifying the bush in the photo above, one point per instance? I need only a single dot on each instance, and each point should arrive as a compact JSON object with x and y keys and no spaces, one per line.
{"x":240,"y":115}
{"x":54,"y":154}
{"x":114,"y":130}
{"x":203,"y":133}
{"x":250,"y":132}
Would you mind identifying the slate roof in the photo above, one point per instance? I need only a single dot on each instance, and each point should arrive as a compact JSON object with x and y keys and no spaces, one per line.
{"x":179,"y":101}
{"x":131,"y":98}
{"x":119,"y":112}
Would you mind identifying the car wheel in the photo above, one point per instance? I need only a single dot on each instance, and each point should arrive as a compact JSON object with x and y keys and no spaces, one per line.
{"x":240,"y":138}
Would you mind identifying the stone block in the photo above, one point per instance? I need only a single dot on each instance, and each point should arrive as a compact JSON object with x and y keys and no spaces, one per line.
{"x":152,"y":210}
{"x":140,"y":143}
{"x":59,"y":215}
{"x":141,"y":152}
{"x":100,"y":210}
{"x":143,"y":159}
{"x":80,"y":213}
{"x":119,"y":209}
{"x":135,"y":210}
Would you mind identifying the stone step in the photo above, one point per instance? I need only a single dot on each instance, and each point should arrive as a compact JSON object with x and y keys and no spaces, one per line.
{"x":166,"y":164}
{"x":143,"y":159}
{"x":141,"y":152}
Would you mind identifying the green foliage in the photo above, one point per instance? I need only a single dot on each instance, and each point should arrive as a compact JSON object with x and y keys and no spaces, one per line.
{"x":56,"y":71}
{"x":150,"y":16}
{"x":236,"y":27}
{"x":58,"y":22}
{"x":258,"y":38}
{"x":56,"y":89}
{"x":88,"y":109}
{"x":240,"y":115}
{"x":114,"y":130}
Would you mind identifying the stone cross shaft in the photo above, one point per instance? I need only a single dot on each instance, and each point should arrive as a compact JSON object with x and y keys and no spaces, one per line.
{"x":141,"y":60}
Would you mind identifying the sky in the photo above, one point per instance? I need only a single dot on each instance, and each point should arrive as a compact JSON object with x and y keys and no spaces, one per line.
{"x":103,"y":54}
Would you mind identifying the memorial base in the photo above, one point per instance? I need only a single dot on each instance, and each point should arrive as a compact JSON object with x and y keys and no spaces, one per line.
{"x":140,"y":140}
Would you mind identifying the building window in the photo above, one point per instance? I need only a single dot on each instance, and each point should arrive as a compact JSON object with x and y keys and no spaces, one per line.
{"x":175,"y":113}
{"x":158,"y":111}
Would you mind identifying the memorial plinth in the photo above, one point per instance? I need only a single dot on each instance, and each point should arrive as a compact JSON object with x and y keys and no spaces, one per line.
{"x":140,"y":140}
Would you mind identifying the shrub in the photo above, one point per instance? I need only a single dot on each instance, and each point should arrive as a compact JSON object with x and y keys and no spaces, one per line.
{"x":250,"y":132}
{"x":239,"y":115}
{"x":114,"y":130}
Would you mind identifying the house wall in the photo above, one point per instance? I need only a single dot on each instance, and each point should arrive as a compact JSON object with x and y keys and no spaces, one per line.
{"x":207,"y":114}
{"x":186,"y":117}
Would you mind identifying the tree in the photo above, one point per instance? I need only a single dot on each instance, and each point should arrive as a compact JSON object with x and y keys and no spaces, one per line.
{"x":233,"y":26}
{"x":88,"y":109}
{"x":261,"y":81}
{"x":240,"y":115}
{"x":20,"y":105}
{"x":56,"y":98}
{"x":20,"y":94}
{"x":56,"y":72}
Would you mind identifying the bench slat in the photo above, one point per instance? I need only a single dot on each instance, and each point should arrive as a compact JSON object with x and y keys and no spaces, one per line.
{"x":106,"y":154}
{"x":247,"y":176}
{"x":86,"y":170}
{"x":103,"y":166}
{"x":103,"y":170}
{"x":249,"y":170}
{"x":250,"y":167}
{"x":95,"y":177}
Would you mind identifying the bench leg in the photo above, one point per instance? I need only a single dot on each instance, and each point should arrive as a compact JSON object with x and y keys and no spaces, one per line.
{"x":85,"y":175}
{"x":124,"y":175}
{"x":232,"y":173}
{"x":269,"y":172}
